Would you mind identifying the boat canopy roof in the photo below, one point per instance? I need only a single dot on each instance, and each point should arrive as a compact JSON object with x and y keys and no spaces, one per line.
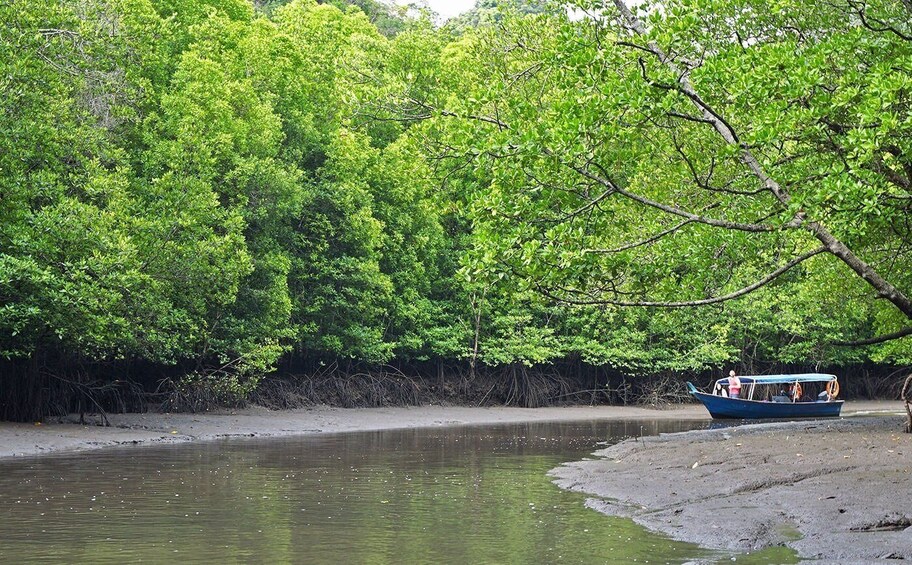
{"x":784,"y":379}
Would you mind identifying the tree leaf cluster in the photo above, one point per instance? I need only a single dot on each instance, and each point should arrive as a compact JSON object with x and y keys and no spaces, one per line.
{"x":216,"y":185}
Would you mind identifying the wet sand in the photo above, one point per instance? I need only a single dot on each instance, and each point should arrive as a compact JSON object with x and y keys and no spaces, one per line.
{"x":837,"y":491}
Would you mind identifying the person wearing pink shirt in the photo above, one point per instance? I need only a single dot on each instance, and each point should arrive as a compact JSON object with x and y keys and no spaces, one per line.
{"x":734,"y":385}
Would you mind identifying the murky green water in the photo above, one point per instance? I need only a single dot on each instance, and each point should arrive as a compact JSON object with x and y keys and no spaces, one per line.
{"x":451,"y":495}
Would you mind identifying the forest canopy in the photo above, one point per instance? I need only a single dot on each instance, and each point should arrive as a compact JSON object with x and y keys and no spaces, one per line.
{"x":215,"y":187}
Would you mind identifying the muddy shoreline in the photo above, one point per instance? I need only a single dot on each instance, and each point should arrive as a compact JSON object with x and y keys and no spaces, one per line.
{"x":68,"y":435}
{"x":837,"y":491}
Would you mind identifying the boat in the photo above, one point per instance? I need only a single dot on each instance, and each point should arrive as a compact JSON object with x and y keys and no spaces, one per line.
{"x":807,"y":395}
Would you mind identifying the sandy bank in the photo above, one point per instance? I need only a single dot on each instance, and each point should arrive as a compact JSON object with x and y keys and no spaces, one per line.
{"x":835,"y":490}
{"x":151,"y":428}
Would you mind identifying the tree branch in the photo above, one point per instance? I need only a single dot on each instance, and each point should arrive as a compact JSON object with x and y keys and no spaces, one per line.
{"x":690,"y":303}
{"x":704,"y":183}
{"x":609,"y":184}
{"x":883,"y":288}
{"x":641,"y":243}
{"x":688,"y":117}
{"x":450,"y":114}
{"x":880,"y":339}
{"x":869,"y":22}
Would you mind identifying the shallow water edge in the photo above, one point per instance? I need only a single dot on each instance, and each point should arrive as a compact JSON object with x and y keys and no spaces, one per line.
{"x":17,"y":440}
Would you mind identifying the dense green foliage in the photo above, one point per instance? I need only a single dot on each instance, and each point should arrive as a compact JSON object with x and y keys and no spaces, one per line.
{"x":491,"y":12}
{"x":601,"y":173}
{"x":214,"y":184}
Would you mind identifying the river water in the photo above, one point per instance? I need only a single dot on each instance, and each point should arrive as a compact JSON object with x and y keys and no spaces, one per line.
{"x":443,"y":495}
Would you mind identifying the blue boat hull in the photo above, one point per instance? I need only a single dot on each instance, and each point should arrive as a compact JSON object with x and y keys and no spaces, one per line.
{"x":725,"y":407}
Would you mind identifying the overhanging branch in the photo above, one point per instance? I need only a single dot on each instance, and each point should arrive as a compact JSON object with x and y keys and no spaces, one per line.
{"x":605,"y":181}
{"x":690,"y":303}
{"x":835,"y":246}
{"x":642,"y":242}
{"x":879,"y":339}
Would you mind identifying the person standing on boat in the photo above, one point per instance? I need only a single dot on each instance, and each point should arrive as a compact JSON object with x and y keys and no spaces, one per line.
{"x":734,"y":385}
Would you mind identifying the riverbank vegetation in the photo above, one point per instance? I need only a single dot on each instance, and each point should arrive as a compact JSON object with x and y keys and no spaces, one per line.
{"x":520,"y":206}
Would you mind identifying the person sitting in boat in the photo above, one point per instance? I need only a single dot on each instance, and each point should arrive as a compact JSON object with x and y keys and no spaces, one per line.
{"x":719,"y":391}
{"x":734,"y":385}
{"x":796,"y":393}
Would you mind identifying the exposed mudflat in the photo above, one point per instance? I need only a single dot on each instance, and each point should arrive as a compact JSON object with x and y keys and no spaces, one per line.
{"x":164,"y":428}
{"x":837,"y":491}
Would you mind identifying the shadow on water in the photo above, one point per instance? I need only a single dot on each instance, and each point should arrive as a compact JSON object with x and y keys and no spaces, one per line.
{"x":441,"y":495}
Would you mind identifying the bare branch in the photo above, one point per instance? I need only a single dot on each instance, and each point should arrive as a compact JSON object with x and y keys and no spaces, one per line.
{"x":880,"y":339}
{"x":894,"y":177}
{"x":450,"y":114}
{"x":872,"y":23}
{"x":688,"y":117}
{"x":643,"y":242}
{"x":52,"y":32}
{"x":607,"y":183}
{"x":690,"y":303}
{"x":704,"y":183}
{"x":587,"y":206}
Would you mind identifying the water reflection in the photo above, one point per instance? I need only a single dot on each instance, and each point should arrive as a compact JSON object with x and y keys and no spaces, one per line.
{"x":448,"y":495}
